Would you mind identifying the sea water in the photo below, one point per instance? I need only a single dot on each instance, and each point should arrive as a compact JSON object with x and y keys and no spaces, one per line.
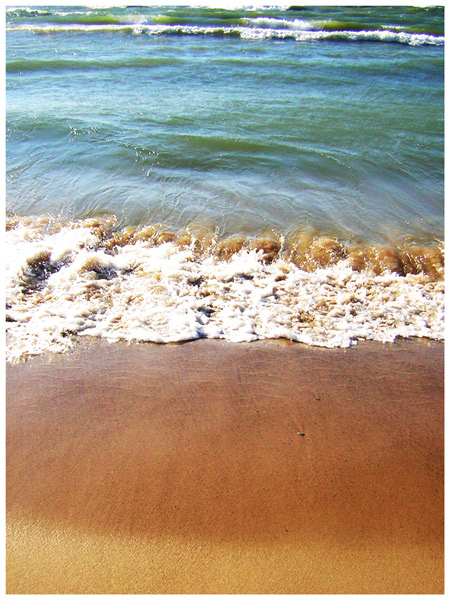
{"x":180,"y":172}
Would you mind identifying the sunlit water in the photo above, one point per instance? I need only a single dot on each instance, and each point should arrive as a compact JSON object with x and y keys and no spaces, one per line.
{"x":315,"y":135}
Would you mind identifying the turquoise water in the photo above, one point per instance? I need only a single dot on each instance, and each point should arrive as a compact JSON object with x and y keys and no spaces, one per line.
{"x":179,"y":173}
{"x":328,"y":118}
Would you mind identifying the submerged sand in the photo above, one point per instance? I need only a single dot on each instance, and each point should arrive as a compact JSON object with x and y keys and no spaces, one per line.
{"x":212,"y":467}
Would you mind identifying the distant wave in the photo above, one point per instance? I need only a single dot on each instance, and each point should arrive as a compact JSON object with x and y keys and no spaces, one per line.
{"x":71,"y":15}
{"x":297,"y":34}
{"x":274,"y":23}
{"x":25,"y":64}
{"x":26,"y":11}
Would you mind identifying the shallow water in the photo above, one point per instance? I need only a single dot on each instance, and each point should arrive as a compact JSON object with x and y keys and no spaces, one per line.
{"x":297,"y":143}
{"x":251,"y":119}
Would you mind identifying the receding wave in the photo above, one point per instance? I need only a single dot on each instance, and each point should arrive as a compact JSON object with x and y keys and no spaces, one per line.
{"x":150,"y":284}
{"x":299,"y":35}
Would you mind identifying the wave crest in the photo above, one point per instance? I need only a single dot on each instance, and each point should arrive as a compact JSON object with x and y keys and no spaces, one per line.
{"x":256,"y":33}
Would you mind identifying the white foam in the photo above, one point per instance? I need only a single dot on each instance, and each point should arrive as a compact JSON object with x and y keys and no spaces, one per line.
{"x":273,"y":23}
{"x":295,"y":32}
{"x":167,"y":294}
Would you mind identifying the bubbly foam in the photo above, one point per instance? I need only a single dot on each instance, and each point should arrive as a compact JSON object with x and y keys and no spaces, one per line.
{"x":148,"y":284}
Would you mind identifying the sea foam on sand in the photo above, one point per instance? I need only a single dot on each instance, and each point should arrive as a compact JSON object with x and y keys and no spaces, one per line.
{"x":66,"y":280}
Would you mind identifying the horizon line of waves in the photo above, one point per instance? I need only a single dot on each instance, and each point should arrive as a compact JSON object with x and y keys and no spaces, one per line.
{"x":171,"y":12}
{"x":26,"y":10}
{"x":86,"y":17}
{"x":386,"y":36}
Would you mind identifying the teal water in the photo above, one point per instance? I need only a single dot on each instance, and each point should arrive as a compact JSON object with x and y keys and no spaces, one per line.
{"x":176,"y":173}
{"x":328,"y":118}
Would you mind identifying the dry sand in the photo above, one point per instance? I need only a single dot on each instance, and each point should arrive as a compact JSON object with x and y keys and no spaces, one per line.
{"x":212,"y":467}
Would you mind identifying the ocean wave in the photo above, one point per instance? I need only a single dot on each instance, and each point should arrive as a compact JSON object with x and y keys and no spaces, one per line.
{"x":26,"y":11}
{"x":74,"y":17}
{"x":26,"y":64}
{"x":148,"y":284}
{"x":256,"y":33}
{"x":386,"y":36}
{"x":276,"y":23}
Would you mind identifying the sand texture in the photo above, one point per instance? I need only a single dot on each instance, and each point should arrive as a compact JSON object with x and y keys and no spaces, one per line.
{"x":212,"y":467}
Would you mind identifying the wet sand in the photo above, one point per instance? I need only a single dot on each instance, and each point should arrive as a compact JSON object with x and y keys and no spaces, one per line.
{"x":212,"y":467}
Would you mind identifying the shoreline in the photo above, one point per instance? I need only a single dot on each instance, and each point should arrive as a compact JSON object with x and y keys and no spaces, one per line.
{"x":213,"y":467}
{"x":140,"y":285}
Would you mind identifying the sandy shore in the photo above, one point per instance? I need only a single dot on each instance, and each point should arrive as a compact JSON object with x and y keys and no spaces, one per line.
{"x":212,"y":467}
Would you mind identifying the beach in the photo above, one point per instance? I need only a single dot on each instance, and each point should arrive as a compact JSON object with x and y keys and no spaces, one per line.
{"x":225,"y":299}
{"x":217,"y":467}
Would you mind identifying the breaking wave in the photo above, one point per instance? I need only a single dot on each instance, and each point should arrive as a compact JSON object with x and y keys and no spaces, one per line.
{"x":150,"y":284}
{"x":294,"y":32}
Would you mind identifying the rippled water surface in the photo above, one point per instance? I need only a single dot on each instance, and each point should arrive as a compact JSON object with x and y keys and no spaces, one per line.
{"x":168,"y":168}
{"x":326,"y":117}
